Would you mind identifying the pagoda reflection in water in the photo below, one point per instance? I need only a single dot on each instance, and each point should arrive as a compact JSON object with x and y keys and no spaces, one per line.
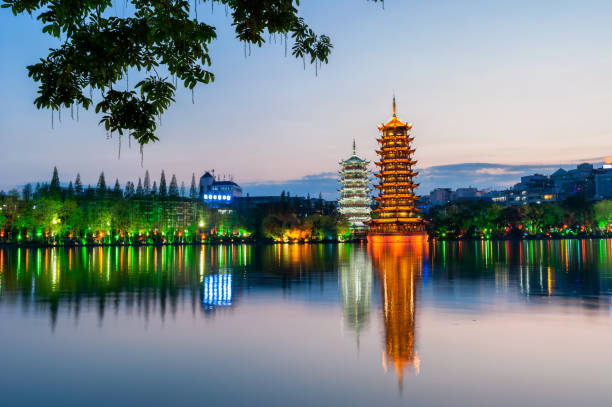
{"x":398,"y":266}
{"x":355,"y":282}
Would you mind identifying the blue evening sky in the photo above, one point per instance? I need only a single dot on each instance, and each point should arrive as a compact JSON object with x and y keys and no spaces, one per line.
{"x":511,"y":82}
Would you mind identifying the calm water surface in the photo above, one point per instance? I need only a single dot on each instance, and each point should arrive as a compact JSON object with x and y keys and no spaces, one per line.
{"x":418,"y":324}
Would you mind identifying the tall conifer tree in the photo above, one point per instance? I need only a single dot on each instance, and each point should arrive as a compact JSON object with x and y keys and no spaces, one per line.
{"x":117,"y":188}
{"x":163,"y":188}
{"x":54,"y":188}
{"x":101,"y":188}
{"x":129,"y":189}
{"x":173,"y":191}
{"x":78,"y":185}
{"x":147,"y":183}
{"x":139,"y":190}
{"x":193,"y":192}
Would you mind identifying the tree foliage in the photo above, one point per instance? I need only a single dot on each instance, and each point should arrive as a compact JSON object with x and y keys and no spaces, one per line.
{"x":125,"y":216}
{"x":576,"y":216}
{"x":162,"y":39}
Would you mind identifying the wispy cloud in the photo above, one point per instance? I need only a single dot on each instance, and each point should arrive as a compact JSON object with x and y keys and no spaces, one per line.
{"x":497,"y":171}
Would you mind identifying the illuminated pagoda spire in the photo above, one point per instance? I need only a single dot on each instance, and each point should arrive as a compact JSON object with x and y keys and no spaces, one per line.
{"x":355,"y":200}
{"x":397,"y":213}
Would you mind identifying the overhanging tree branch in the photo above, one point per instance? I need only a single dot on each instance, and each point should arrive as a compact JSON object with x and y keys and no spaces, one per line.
{"x":100,"y":49}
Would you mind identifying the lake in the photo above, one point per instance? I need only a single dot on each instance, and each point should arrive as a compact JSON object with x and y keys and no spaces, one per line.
{"x":485,"y":323}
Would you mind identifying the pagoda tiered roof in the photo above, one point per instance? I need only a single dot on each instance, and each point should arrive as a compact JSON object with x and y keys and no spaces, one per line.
{"x":406,"y":160}
{"x":394,"y":122}
{"x":409,"y":173}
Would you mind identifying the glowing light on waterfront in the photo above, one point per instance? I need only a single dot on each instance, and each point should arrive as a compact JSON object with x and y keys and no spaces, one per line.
{"x":217,"y":291}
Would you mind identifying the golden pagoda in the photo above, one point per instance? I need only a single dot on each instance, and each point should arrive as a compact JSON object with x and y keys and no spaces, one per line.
{"x":397,"y":213}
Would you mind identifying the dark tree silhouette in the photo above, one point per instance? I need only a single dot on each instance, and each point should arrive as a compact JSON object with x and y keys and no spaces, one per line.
{"x":117,"y":188}
{"x":163,"y":189}
{"x":54,"y":186}
{"x":139,"y":190}
{"x":173,"y":190}
{"x":78,"y":186}
{"x":101,"y":187}
{"x":193,"y":192}
{"x":147,"y":183}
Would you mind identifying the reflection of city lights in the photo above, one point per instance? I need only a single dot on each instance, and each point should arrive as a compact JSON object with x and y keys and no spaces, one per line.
{"x":217,"y":291}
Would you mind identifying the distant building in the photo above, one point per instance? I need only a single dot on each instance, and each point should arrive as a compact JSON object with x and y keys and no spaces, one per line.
{"x":603,"y":183}
{"x":355,"y":199}
{"x":594,"y":183}
{"x":498,"y":197}
{"x":466,"y":193}
{"x":536,"y":188}
{"x":440,"y":196}
{"x":215,"y":191}
{"x":580,"y":180}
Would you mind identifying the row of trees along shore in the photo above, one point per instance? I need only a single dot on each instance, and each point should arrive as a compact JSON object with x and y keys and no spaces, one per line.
{"x":157,"y":213}
{"x":577,"y":216}
{"x":141,"y":213}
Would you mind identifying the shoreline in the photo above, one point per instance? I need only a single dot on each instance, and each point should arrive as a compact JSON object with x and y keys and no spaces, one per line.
{"x":265,"y":242}
{"x":215,"y":243}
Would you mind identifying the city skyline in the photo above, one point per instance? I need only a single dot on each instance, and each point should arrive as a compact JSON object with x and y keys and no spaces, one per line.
{"x":478,"y":175}
{"x":480,"y":83}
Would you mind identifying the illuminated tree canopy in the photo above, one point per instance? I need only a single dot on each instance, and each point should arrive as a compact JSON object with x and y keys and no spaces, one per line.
{"x":163,"y":39}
